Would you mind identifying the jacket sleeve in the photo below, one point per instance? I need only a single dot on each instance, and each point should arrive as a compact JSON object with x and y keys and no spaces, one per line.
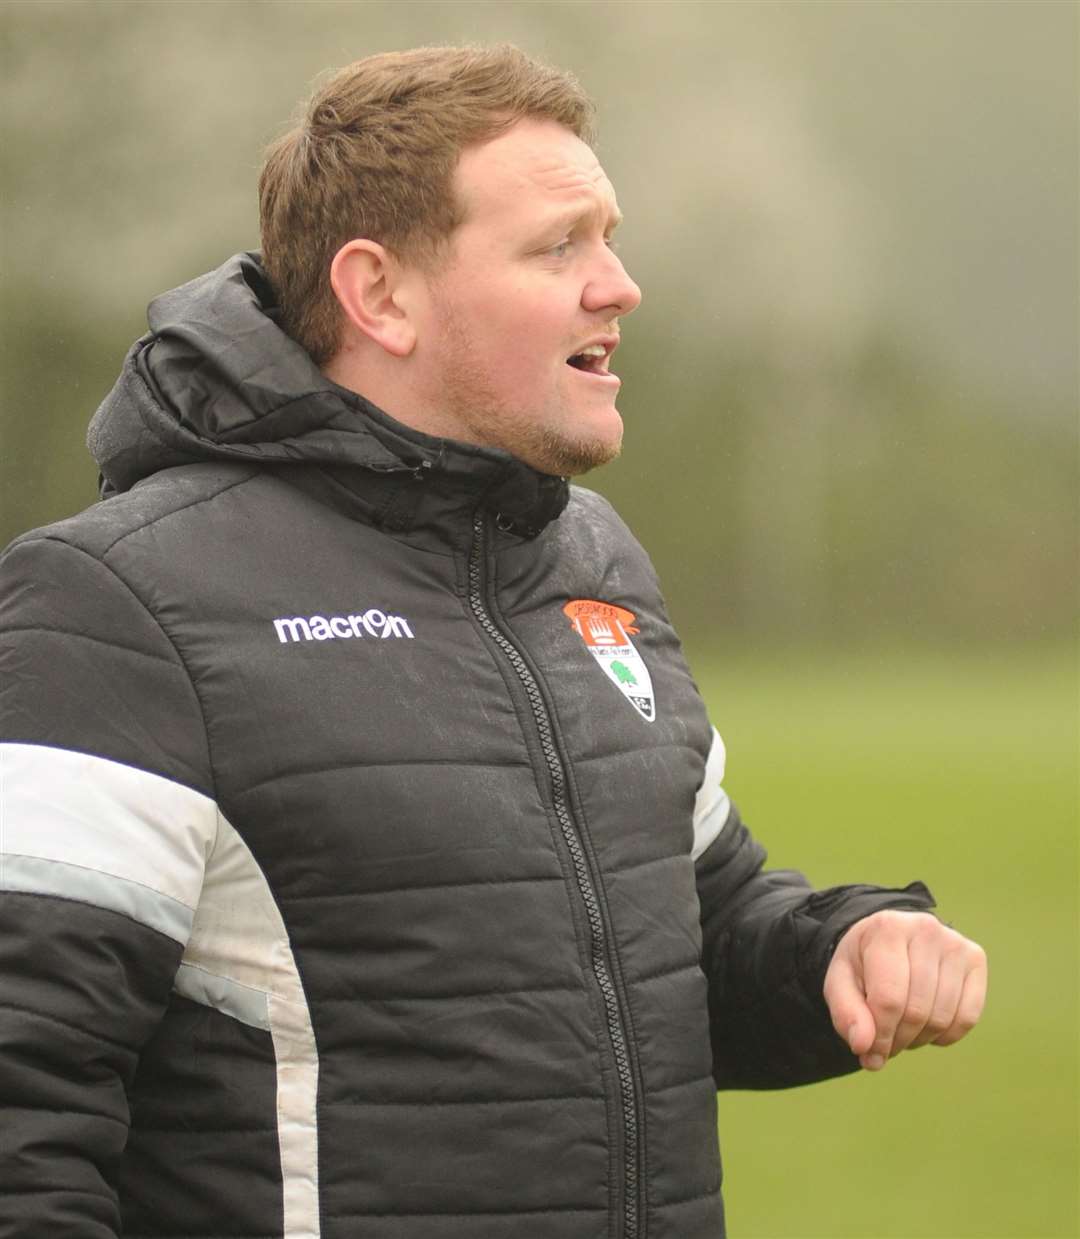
{"x":104,"y":834}
{"x":767,"y":939}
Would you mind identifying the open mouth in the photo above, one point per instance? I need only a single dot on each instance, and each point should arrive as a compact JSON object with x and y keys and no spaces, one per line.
{"x":592,"y":360}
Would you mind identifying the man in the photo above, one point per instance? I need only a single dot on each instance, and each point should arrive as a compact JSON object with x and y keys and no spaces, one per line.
{"x":367,"y":869}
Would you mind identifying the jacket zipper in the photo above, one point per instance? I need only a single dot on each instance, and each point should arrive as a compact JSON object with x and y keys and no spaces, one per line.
{"x":586,"y":888}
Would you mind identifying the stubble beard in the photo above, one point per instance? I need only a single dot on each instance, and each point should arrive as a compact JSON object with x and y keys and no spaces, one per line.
{"x":468,"y":397}
{"x":570,"y":458}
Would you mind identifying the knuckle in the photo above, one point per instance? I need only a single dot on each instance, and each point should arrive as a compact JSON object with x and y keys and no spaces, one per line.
{"x":965,"y":1022}
{"x":967,"y":955}
{"x":955,"y":944}
{"x":954,"y":1033}
{"x":927,"y":926}
{"x":954,"y":953}
{"x":889,"y":918}
{"x":917,"y":1014}
{"x":956,"y":1030}
{"x":887,"y":1001}
{"x":938,"y":1024}
{"x":878,"y":922}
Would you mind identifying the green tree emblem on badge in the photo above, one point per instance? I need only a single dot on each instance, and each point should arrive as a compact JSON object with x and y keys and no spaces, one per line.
{"x":623,"y":673}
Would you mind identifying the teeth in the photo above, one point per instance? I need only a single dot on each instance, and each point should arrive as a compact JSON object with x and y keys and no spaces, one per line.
{"x":594,"y":350}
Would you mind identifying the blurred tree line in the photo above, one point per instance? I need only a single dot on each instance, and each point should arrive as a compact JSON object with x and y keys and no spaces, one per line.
{"x":819,"y":447}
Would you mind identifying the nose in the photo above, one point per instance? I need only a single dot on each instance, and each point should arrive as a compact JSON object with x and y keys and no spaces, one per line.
{"x":609,"y":288}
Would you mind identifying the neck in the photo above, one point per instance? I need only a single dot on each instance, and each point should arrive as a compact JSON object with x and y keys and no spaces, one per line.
{"x":390,"y":384}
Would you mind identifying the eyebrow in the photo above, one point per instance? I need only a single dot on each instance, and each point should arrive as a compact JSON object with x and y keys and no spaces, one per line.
{"x":573,"y":216}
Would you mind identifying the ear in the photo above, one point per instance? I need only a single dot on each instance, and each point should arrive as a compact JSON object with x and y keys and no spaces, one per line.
{"x":365,"y":278}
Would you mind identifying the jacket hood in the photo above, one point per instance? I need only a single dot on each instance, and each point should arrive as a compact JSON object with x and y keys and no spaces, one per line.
{"x":216,"y":379}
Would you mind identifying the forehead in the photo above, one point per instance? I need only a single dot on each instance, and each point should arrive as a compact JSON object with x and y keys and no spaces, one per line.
{"x":537,"y":168}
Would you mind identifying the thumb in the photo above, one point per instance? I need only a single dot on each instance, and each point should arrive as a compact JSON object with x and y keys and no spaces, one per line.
{"x":846,"y":1001}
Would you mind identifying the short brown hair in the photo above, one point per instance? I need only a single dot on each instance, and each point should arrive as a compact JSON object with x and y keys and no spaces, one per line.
{"x":374,"y":157}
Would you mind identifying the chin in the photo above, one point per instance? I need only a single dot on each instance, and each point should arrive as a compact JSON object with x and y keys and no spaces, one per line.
{"x":570,"y":456}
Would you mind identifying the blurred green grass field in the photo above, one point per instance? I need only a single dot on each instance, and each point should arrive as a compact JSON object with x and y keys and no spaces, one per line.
{"x":960,"y":770}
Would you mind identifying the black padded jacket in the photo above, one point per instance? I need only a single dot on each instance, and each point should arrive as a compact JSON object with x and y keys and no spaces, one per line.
{"x":366,"y":868}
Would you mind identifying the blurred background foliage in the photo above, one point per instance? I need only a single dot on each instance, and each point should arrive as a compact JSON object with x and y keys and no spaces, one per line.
{"x":851,"y":399}
{"x":854,"y":222}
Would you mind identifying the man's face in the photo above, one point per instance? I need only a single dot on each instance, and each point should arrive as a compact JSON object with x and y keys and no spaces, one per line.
{"x":529,"y":283}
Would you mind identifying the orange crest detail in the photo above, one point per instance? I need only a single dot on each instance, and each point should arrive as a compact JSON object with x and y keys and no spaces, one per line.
{"x":600,"y":624}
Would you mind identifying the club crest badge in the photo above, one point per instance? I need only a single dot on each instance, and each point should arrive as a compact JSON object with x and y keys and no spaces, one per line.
{"x":606,"y":631}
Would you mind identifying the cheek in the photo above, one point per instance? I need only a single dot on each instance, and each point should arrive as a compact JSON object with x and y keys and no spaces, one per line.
{"x":519,"y":331}
{"x":525,"y":344}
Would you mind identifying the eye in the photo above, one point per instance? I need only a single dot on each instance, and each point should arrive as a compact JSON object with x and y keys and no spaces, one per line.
{"x":560,"y":250}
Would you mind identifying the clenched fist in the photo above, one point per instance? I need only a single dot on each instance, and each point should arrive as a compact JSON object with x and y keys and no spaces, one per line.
{"x":899,"y":980}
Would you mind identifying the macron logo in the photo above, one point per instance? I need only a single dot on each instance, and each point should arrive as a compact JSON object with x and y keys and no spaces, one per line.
{"x":372,"y":623}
